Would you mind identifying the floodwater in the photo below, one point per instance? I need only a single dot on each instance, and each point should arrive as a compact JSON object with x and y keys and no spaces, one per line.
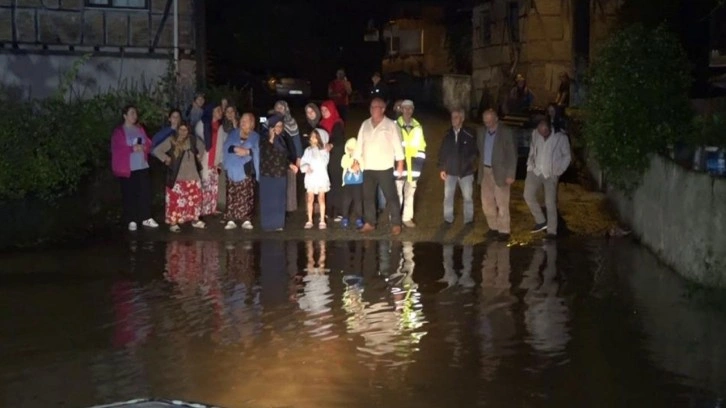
{"x":357,"y":324}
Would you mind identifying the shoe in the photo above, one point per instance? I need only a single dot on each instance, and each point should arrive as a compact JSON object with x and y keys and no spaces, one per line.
{"x":230,"y":225}
{"x":367,"y":228}
{"x":492,"y":234}
{"x":338,"y":218}
{"x":396,"y":230}
{"x":150,"y":223}
{"x":199,"y":224}
{"x":322,"y":225}
{"x":132,"y":226}
{"x":344,"y":223}
{"x":174,"y":228}
{"x":538,"y":228}
{"x":409,"y":224}
{"x":308,"y":225}
{"x":503,"y":237}
{"x":247,"y":225}
{"x":468,"y":223}
{"x":359,"y":223}
{"x":551,"y":237}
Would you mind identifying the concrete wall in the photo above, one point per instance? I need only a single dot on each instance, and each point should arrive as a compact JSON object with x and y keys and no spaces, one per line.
{"x":38,"y":76}
{"x":681,"y":216}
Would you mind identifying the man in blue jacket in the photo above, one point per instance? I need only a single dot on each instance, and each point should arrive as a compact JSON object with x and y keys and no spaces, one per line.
{"x":457,"y":165}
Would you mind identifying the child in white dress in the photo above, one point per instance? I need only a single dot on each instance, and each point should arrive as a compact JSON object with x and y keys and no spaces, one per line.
{"x":314,"y":164}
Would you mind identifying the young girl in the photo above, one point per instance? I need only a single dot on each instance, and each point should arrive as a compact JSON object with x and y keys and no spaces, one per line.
{"x":314,"y":164}
{"x":352,"y":187}
{"x":182,"y":153}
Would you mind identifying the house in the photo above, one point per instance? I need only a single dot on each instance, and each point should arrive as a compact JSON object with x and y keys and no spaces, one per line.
{"x":415,"y":39}
{"x":539,"y":39}
{"x":130,"y":43}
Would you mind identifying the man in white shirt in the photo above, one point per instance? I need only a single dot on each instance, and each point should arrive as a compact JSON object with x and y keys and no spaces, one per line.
{"x":378,"y":147}
{"x":549,"y":157}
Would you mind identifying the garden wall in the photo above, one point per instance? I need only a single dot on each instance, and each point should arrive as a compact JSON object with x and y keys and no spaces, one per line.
{"x":681,"y":216}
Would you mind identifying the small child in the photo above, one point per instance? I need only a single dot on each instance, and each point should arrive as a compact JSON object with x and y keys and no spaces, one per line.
{"x":314,"y":163}
{"x":352,"y":187}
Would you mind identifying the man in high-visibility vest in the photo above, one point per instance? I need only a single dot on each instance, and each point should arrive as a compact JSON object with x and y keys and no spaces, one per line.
{"x":414,"y":148}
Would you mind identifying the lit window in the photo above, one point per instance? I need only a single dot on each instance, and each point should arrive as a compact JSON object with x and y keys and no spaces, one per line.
{"x":128,"y":4}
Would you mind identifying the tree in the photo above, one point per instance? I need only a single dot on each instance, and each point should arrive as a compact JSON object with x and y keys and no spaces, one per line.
{"x":637,"y":102}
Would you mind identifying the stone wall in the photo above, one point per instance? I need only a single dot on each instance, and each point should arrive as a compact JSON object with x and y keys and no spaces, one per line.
{"x":435,"y":57}
{"x":37,"y":75}
{"x":681,"y":216}
{"x":70,"y":22}
{"x":544,"y":49}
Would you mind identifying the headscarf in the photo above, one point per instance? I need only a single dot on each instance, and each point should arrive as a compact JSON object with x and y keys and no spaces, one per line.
{"x":334,"y":117}
{"x":271,"y":122}
{"x":324,"y":136}
{"x":313,"y":123}
{"x":290,"y":123}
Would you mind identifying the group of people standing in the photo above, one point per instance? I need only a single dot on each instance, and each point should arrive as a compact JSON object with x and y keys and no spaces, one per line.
{"x":214,"y":152}
{"x":491,"y":154}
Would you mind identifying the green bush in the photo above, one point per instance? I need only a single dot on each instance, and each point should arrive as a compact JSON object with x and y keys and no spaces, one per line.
{"x":50,"y":145}
{"x":637,"y":102}
{"x":708,"y":130}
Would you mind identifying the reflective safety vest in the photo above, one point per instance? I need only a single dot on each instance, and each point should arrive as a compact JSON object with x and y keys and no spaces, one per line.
{"x":414,"y":149}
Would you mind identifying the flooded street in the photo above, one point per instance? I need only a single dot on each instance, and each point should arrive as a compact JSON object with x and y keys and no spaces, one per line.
{"x":302,"y":324}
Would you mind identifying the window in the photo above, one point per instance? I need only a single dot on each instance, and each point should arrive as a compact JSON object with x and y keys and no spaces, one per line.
{"x":485,"y":27}
{"x":128,"y":4}
{"x":406,"y":42}
{"x":513,"y":20}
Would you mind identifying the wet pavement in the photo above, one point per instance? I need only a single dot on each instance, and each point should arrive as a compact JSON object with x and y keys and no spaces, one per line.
{"x":275,"y":323}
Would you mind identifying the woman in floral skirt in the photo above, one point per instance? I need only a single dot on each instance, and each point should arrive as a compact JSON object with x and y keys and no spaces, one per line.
{"x":182,"y":153}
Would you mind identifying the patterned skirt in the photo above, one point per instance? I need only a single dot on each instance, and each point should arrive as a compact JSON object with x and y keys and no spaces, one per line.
{"x":183,"y":202}
{"x":210,"y":190}
{"x":240,"y":200}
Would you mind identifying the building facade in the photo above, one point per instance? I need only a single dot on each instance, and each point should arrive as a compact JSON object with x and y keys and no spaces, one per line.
{"x":130,"y":43}
{"x":539,"y":39}
{"x":415,"y":39}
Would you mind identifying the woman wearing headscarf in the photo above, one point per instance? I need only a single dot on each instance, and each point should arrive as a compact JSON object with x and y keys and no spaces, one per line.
{"x":242,"y":162}
{"x":293,"y":132}
{"x":312,"y":116}
{"x":277,"y":155}
{"x":333,"y":124}
{"x":213,"y":135}
{"x":182,"y":153}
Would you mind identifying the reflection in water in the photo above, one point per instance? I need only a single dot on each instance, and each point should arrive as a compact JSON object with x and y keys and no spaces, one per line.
{"x":316,"y":296}
{"x":389,"y":323}
{"x":357,"y":324}
{"x":547,"y":314}
{"x":450,"y":277}
{"x":497,"y":332}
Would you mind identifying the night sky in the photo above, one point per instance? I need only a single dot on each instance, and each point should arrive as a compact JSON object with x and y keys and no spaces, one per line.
{"x":307,"y":38}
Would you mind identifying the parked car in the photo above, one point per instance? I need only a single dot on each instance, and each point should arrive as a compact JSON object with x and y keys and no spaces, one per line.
{"x":288,"y":86}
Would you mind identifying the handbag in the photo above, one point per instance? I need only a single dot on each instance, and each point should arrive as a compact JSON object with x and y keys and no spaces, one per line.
{"x":353,"y":178}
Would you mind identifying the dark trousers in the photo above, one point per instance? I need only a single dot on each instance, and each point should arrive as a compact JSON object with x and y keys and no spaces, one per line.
{"x":352,"y":201}
{"x":372,"y":179}
{"x":342,"y":111}
{"x":136,"y":196}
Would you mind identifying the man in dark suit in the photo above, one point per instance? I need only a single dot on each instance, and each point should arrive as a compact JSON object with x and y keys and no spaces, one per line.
{"x":497,"y":170}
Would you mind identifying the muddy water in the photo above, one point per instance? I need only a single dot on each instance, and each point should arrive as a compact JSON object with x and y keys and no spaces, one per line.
{"x":357,"y":324}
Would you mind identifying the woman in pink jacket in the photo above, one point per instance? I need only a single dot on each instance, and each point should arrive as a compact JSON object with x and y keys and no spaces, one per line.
{"x":130,"y":148}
